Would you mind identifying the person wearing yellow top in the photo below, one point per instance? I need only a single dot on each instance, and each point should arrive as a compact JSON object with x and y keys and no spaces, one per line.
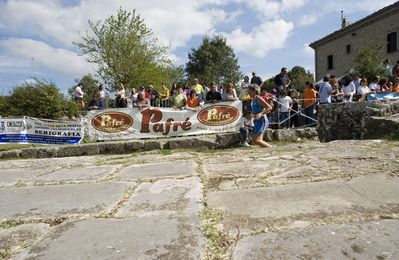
{"x":164,"y":95}
{"x":395,"y":87}
{"x":198,"y":89}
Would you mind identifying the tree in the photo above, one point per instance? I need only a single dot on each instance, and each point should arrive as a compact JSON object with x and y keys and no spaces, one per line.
{"x":89,"y":86}
{"x":215,"y":61}
{"x":38,"y":99}
{"x":299,"y":75}
{"x":367,"y":61}
{"x":125,"y":51}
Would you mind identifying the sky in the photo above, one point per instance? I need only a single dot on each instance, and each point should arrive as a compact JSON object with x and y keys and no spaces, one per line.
{"x":36,"y":36}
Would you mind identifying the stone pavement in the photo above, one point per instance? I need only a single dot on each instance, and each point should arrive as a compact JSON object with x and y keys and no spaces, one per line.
{"x":338,"y":200}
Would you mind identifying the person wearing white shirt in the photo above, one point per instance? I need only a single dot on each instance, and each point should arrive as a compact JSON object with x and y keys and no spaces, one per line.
{"x":79,"y":94}
{"x":285,"y":108}
{"x":374,"y":85}
{"x":363,"y":90}
{"x":349,"y":90}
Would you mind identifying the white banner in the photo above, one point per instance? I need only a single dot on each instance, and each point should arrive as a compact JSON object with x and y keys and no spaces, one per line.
{"x":40,"y":131}
{"x":154,"y":122}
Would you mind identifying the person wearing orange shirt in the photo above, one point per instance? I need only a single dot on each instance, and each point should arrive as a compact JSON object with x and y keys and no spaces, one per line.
{"x":309,"y":102}
{"x":193,"y":101}
{"x":395,"y":87}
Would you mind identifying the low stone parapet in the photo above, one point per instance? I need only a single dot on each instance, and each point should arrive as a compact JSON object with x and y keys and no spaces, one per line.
{"x":357,"y":120}
{"x":204,"y":142}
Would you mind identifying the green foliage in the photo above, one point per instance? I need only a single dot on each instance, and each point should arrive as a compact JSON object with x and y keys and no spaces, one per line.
{"x":89,"y":86}
{"x":125,"y":51}
{"x":299,"y":75}
{"x":215,"y":61}
{"x":37,"y":99}
{"x":367,"y":61}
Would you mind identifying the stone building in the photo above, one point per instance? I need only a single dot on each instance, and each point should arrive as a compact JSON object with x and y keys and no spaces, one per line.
{"x":334,"y":53}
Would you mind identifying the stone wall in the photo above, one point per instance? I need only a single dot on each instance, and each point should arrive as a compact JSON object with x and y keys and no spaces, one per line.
{"x":358,"y":120}
{"x":202,"y":142}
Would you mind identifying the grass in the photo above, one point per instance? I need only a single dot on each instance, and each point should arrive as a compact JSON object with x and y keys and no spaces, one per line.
{"x":218,"y":242}
{"x":10,"y":224}
{"x":5,"y":253}
{"x":165,"y":152}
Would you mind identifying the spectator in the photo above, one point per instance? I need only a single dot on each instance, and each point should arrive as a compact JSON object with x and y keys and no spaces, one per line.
{"x":374,"y":85}
{"x":101,"y":97}
{"x":395,"y":86}
{"x":93,"y":104}
{"x":193,"y":101}
{"x":198,"y":89}
{"x":266,"y":96}
{"x":120,"y":100}
{"x":213,"y":95}
{"x":164,"y":96}
{"x":349,"y":89}
{"x":383,"y":85}
{"x":363,"y":90}
{"x":141,"y":101}
{"x":259,"y":109}
{"x":295,"y":107}
{"x":325,"y":91}
{"x":179,"y":100}
{"x":246,"y":128}
{"x":246,"y":100}
{"x":133,"y":95}
{"x":337,"y":92}
{"x":186,"y":90}
{"x":173,"y":90}
{"x":256,"y":79}
{"x":356,"y":81}
{"x":309,"y":103}
{"x":285,"y":107}
{"x":79,"y":94}
{"x":395,"y":70}
{"x":230,"y":93}
{"x":244,"y":85}
{"x":282,"y":80}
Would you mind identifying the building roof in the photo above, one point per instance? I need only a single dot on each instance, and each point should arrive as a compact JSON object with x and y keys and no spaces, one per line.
{"x":390,"y":9}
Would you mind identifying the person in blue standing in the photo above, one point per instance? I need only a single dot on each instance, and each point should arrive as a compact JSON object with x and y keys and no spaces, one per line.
{"x":260,"y":108}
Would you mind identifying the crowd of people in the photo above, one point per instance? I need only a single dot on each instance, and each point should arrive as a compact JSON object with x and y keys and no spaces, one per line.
{"x":277,"y":105}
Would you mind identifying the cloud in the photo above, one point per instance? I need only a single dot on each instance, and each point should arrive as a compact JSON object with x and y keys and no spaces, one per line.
{"x":174,"y":21}
{"x":307,"y":50}
{"x":37,"y":55}
{"x":307,"y":20}
{"x":290,"y":5}
{"x":257,"y":43}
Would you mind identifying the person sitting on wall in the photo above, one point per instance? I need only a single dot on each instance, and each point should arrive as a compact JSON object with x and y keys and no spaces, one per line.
{"x":230,"y":93}
{"x":93,"y":104}
{"x":120,"y":100}
{"x":179,"y":100}
{"x":141,"y":102}
{"x":213,"y":95}
{"x":193,"y":101}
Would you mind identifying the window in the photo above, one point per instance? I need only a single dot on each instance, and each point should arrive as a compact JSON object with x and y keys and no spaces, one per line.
{"x":348,"y":49}
{"x":330,"y":62}
{"x":392,"y":39}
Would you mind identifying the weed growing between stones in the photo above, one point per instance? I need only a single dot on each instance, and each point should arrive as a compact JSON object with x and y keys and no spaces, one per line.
{"x":10,"y":224}
{"x":165,"y":152}
{"x":218,"y":242}
{"x":5,"y":253}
